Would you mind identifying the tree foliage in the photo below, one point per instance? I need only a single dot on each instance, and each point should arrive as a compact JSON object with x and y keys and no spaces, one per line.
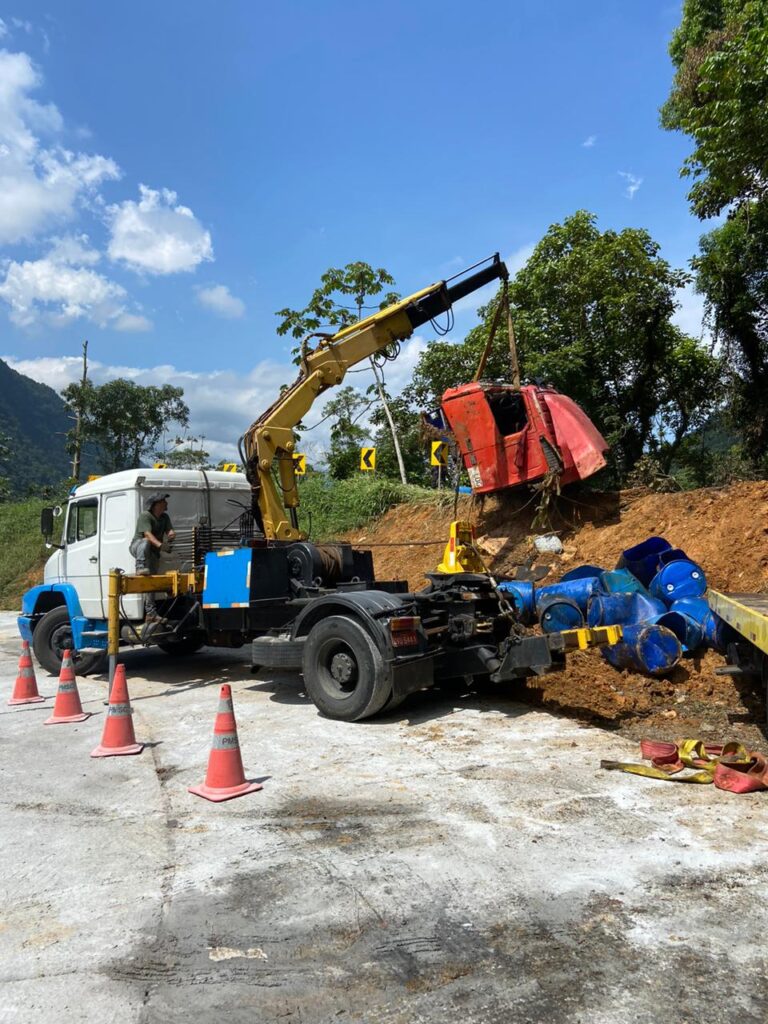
{"x":592,"y":313}
{"x":345,"y":408}
{"x":340,"y":299}
{"x":126,"y":419}
{"x":732,"y":273}
{"x":720,"y":98}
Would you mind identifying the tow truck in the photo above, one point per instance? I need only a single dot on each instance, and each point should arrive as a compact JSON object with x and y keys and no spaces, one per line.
{"x":246,"y":572}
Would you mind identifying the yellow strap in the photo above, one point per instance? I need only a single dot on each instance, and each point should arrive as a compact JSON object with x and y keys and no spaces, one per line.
{"x":655,"y":773}
{"x":693,"y":754}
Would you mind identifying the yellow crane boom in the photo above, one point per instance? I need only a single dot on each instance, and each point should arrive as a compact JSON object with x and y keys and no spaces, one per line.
{"x":270,"y":438}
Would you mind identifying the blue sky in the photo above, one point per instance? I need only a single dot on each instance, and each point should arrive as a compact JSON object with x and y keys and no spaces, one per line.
{"x":174,"y":173}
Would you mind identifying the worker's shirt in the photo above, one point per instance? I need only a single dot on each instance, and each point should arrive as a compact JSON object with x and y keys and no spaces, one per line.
{"x":157,"y":525}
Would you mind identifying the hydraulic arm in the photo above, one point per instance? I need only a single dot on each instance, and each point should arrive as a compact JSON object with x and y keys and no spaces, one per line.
{"x":270,"y":438}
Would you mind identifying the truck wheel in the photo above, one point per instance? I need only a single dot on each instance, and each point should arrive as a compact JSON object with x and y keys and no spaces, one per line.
{"x":344,"y":672}
{"x":182,"y":647}
{"x":53,"y":636}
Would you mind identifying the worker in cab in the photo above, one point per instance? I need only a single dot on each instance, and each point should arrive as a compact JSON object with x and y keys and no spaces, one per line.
{"x":154,"y":533}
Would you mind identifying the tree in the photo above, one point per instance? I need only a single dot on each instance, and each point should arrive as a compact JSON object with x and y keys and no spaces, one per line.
{"x":346,"y":408}
{"x":592,"y":313}
{"x":732,"y":273}
{"x":413,"y":446}
{"x":357,"y":281}
{"x":185,"y":458}
{"x":125,"y":419}
{"x":5,"y":451}
{"x":720,"y":98}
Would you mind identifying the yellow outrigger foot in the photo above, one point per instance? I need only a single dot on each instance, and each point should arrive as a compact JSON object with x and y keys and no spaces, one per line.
{"x":461,"y":554}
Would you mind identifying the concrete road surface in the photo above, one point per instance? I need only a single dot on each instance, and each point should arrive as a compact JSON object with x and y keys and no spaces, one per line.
{"x":453,"y":861}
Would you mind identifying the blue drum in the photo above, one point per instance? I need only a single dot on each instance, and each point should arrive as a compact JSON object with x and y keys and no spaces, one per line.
{"x":642,"y":560}
{"x":520,"y":595}
{"x":645,"y":648}
{"x":687,"y":630}
{"x":682,"y":578}
{"x":557,"y":613}
{"x":620,"y":609}
{"x":579,"y":591}
{"x":716,"y":632}
{"x":621,"y":581}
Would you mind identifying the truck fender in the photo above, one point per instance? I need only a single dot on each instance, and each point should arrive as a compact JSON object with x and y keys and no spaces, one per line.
{"x":362,"y":605}
{"x":39,"y":600}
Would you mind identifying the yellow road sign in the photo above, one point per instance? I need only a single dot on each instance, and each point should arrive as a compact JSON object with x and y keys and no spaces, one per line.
{"x":159,"y":465}
{"x":367,"y":459}
{"x":230,"y":467}
{"x":439,"y":455}
{"x":299,"y":463}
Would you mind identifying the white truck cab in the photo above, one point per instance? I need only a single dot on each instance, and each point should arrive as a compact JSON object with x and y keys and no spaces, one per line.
{"x":99,"y":523}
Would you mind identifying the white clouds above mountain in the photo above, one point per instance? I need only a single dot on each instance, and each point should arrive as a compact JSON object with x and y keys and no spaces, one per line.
{"x":223,"y":403}
{"x":157,"y":235}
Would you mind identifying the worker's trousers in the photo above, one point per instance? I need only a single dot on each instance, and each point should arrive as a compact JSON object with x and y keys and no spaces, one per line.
{"x":147,"y":560}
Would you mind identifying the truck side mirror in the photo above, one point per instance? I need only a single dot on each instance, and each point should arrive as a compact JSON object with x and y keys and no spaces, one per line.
{"x":46,"y":522}
{"x":47,"y":515}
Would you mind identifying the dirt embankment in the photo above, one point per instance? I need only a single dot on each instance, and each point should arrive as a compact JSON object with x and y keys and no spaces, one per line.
{"x":724,"y":529}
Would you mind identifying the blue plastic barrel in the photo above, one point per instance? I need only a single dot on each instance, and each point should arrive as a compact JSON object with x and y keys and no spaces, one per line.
{"x":672,"y":555}
{"x":645,"y":648}
{"x":558,"y":612}
{"x":581,"y":572}
{"x":520,"y":593}
{"x":682,"y":578}
{"x":579,"y":591}
{"x":642,"y":560}
{"x":619,"y":609}
{"x":621,"y":581}
{"x":716,"y":632}
{"x":687,"y":630}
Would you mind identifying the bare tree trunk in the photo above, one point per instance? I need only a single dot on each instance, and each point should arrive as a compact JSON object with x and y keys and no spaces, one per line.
{"x":390,"y":420}
{"x":77,"y":444}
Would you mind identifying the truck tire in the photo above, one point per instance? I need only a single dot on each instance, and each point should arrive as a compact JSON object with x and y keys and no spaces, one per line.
{"x":182,"y":648}
{"x":53,"y":636}
{"x":344,"y":672}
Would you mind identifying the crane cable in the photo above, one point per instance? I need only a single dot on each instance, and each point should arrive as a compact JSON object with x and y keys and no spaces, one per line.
{"x":502,"y":305}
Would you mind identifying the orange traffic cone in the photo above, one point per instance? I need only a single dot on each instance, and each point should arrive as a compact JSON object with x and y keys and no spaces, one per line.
{"x":67,"y":707}
{"x":225,"y":777}
{"x":25,"y":687}
{"x":118,"y":737}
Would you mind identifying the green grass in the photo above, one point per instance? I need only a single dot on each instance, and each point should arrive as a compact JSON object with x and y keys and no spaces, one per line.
{"x":331,"y":507}
{"x":22,"y":551}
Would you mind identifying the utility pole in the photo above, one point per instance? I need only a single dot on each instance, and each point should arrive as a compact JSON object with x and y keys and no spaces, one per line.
{"x":77,"y":443}
{"x":383,"y":399}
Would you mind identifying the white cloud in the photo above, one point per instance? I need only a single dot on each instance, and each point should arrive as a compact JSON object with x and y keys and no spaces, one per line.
{"x":57,"y":291}
{"x":633,"y":183}
{"x":3,"y":29}
{"x":132,"y":322}
{"x":219,"y":299}
{"x":156,"y":234}
{"x":39,"y":185}
{"x":589,"y":142}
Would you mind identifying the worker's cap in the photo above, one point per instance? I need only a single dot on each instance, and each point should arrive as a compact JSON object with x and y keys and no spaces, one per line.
{"x":157,"y":496}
